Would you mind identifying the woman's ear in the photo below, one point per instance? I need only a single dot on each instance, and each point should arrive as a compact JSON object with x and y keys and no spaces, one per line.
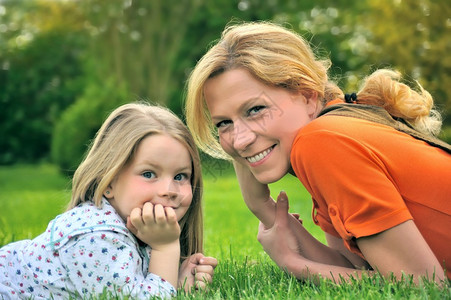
{"x":313,"y":104}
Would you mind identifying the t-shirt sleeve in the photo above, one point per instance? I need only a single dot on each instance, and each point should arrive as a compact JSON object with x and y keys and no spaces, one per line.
{"x":353,"y":192}
{"x":107,"y":262}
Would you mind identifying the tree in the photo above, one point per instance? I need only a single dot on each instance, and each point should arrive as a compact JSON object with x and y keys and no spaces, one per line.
{"x":137,"y":42}
{"x":413,"y":36}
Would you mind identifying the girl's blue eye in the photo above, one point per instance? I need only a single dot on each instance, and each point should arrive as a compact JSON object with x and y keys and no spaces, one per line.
{"x":180,"y":177}
{"x":148,"y":174}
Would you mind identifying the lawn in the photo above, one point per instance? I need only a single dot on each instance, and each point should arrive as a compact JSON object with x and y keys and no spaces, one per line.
{"x":32,"y":195}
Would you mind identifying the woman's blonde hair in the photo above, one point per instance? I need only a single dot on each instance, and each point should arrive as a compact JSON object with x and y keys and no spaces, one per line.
{"x":383,"y":88}
{"x":115,"y":146}
{"x":279,"y":57}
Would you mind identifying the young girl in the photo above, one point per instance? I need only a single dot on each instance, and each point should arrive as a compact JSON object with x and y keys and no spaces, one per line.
{"x":135,"y":214}
{"x":380,"y":183}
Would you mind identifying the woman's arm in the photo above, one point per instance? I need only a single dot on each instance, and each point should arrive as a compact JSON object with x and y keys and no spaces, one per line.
{"x":255,"y":194}
{"x":281,"y":243}
{"x":337,"y":244}
{"x":257,"y":198}
{"x":296,"y":240}
{"x":401,"y":249}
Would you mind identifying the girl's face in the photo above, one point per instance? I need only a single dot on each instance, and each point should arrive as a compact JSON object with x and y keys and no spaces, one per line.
{"x":257,"y":123}
{"x":160,"y":173}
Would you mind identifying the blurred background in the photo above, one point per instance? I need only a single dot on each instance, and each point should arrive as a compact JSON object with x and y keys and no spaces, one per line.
{"x":64,"y":65}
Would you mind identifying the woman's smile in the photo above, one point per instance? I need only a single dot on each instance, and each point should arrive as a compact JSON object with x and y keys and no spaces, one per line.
{"x":260,"y":156}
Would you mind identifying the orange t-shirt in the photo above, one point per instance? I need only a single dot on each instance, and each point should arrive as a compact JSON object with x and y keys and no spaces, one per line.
{"x":365,"y":178}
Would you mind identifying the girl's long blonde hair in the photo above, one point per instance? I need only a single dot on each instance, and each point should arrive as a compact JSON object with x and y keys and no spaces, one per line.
{"x":280,"y":57}
{"x":114,"y":147}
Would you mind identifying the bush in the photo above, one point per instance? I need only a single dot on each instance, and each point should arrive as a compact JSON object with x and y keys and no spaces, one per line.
{"x":38,"y":82}
{"x":80,"y":122}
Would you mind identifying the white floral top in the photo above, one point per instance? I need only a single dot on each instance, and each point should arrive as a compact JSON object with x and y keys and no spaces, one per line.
{"x":83,"y":252}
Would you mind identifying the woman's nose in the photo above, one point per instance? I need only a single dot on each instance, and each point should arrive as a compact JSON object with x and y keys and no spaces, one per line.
{"x":243,"y":136}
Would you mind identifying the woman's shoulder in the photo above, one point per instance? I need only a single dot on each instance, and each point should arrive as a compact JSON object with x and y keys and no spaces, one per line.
{"x":345,"y":126}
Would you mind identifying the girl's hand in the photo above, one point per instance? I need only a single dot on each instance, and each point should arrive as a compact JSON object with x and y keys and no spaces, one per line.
{"x":196,"y":271}
{"x":155,"y":225}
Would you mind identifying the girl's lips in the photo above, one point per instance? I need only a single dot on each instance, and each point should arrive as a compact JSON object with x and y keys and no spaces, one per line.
{"x":258,"y":157}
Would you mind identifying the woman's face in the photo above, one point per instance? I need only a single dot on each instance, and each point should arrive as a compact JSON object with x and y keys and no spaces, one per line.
{"x":257,"y":123}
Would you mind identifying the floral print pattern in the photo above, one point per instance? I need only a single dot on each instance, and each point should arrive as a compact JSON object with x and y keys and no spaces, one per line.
{"x":84,"y":252}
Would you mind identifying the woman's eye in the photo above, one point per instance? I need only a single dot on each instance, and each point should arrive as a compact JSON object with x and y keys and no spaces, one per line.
{"x":256,"y":109}
{"x":180,"y":177}
{"x":148,"y":174}
{"x":223,"y":123}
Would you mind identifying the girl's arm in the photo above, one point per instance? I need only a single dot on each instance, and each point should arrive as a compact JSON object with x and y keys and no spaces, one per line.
{"x":157,"y":226}
{"x":257,"y":198}
{"x":109,"y":261}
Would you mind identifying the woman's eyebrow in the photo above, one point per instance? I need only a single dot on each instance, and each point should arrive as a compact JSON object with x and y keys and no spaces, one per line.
{"x":242,"y":106}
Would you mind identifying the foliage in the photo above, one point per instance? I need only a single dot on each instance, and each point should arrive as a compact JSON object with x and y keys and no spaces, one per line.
{"x":137,"y":42}
{"x":446,"y":134}
{"x":411,"y":36}
{"x":51,"y":50}
{"x":80,"y":122}
{"x":40,"y":75}
{"x":39,"y":83}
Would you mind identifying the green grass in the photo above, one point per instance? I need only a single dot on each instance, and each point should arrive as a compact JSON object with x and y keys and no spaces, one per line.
{"x":32,"y":195}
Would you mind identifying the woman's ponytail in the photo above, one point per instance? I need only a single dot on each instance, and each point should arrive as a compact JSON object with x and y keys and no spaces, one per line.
{"x":383,"y":88}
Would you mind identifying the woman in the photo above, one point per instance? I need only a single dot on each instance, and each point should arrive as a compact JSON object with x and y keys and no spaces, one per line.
{"x":375,"y":186}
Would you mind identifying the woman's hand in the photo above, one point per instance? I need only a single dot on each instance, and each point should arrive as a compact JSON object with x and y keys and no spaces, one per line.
{"x":196,"y":271}
{"x":288,"y":241}
{"x":278,"y":241}
{"x":155,"y":225}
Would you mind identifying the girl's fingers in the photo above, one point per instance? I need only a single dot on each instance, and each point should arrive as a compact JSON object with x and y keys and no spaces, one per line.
{"x":135,"y":218}
{"x":159,"y":213}
{"x":200,"y":285}
{"x":131,"y":227}
{"x":203,"y":278}
{"x":206,"y":269}
{"x":148,"y":213}
{"x":207,"y":260}
{"x":170,"y":215}
{"x":155,"y":214}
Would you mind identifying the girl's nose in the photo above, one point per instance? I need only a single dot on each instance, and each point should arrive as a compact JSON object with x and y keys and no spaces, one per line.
{"x":243,"y":136}
{"x":168,"y":189}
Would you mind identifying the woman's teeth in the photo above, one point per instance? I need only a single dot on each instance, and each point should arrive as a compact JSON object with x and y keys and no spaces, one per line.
{"x":258,"y":157}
